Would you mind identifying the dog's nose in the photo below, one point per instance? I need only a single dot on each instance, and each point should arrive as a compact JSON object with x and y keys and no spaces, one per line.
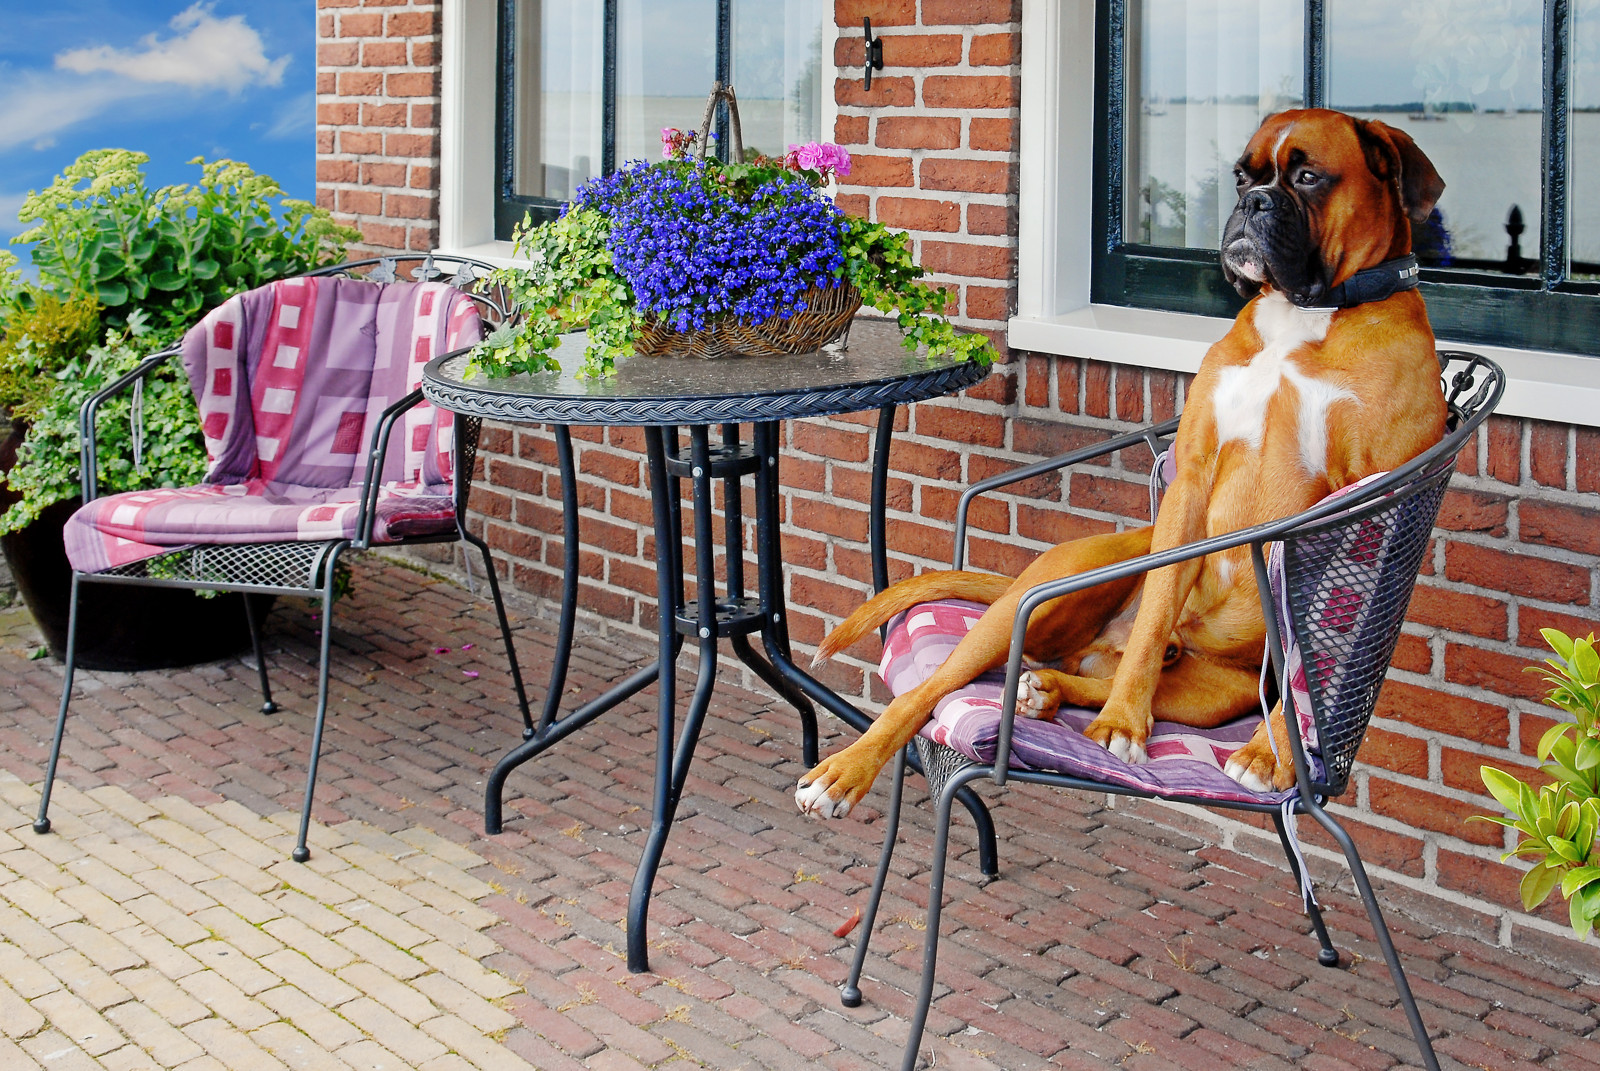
{"x":1259,"y":201}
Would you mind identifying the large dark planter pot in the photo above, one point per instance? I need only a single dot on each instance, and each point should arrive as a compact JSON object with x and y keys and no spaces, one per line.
{"x":120,"y":627}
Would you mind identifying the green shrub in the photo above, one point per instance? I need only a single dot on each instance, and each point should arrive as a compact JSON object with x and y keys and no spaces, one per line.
{"x":1558,"y":823}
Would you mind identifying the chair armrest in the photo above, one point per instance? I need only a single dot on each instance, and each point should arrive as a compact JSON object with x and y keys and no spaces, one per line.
{"x":380,"y":449}
{"x":1150,"y":436}
{"x":88,"y":452}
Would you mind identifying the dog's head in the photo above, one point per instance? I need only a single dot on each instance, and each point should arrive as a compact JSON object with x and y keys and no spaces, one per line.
{"x":1323,"y":195}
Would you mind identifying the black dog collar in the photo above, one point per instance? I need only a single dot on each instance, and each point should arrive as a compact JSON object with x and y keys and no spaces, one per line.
{"x":1373,"y":284}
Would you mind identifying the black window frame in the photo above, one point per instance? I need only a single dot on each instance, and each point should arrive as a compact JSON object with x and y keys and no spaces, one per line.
{"x":510,"y":207}
{"x":1545,"y":310}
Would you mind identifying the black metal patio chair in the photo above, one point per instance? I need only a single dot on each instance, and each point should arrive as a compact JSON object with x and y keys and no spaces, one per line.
{"x":298,"y":383}
{"x":1335,"y":581}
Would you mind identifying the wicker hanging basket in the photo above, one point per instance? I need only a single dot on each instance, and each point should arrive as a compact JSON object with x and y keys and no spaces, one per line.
{"x":826,"y":315}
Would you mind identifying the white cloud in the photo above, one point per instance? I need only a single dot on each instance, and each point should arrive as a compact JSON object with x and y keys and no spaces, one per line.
{"x":35,"y":107}
{"x":294,"y":118}
{"x":206,"y":53}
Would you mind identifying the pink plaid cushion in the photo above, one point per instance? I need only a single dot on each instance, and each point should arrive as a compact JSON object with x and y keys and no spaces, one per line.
{"x":1183,"y":761}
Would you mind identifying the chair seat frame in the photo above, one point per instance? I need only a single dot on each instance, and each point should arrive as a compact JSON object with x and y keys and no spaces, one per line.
{"x":1474,"y":388}
{"x":307,"y":568}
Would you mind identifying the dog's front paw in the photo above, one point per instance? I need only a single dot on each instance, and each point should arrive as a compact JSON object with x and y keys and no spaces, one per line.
{"x":1255,"y":766}
{"x":834,"y":786}
{"x":1121,"y":736}
{"x":1035,"y":697}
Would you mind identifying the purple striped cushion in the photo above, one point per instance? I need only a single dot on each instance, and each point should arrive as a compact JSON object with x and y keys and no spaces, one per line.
{"x":1183,"y":761}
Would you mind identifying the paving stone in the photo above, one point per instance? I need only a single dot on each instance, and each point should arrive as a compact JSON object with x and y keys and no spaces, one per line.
{"x":409,"y":938}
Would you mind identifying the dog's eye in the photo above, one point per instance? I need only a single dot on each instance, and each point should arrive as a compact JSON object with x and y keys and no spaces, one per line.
{"x":1239,"y":177}
{"x":1308,"y":178}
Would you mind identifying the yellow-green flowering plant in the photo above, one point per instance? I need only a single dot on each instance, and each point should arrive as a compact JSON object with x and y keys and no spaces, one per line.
{"x":1558,"y":823}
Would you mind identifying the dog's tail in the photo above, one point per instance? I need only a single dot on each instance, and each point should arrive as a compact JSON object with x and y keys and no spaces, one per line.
{"x":945,"y":584}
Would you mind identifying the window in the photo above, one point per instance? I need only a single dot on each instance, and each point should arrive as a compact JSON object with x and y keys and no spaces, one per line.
{"x":1503,"y":96}
{"x":588,"y":84}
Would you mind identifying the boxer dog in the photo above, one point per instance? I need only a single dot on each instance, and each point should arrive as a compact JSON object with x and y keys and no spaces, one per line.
{"x":1326,"y":376}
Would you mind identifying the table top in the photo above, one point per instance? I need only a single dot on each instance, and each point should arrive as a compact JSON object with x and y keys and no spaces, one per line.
{"x":874,"y":370}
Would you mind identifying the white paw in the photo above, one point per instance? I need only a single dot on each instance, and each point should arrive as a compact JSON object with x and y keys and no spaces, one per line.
{"x":1125,"y":749}
{"x":1242,"y":774}
{"x":812,"y":798}
{"x":1031,"y":696}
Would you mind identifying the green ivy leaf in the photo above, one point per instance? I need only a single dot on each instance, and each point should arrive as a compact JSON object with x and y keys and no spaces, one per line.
{"x":1537,"y":885}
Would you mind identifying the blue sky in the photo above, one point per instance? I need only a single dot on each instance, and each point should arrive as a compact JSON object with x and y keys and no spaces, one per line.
{"x":171,"y":78}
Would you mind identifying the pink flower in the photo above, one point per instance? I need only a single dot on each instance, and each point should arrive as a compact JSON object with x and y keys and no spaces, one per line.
{"x":841,"y":158}
{"x":669,"y":141}
{"x":808,"y":156}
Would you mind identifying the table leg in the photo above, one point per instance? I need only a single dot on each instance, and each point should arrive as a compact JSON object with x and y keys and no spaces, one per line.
{"x":672,"y":760}
{"x":569,"y":577}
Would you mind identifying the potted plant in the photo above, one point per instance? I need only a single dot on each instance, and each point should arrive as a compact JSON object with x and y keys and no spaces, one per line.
{"x":694,"y":255}
{"x":122,"y":271}
{"x":1559,"y":821}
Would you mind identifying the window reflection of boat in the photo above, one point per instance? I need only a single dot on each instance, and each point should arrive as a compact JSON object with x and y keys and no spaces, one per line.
{"x":1155,"y":107}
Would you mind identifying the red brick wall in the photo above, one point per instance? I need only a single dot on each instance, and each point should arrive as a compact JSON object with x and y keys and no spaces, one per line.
{"x":378,"y":118}
{"x":934,"y":151}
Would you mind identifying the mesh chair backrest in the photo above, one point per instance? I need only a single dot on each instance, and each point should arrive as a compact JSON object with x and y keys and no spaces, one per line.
{"x":292,"y":377}
{"x":1346,"y":584}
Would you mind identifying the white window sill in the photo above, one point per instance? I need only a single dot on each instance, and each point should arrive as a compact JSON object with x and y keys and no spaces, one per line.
{"x":500,"y":254}
{"x":1560,"y":387}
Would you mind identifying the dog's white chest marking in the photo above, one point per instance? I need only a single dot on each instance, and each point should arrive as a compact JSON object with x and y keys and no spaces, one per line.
{"x":1244,"y":391}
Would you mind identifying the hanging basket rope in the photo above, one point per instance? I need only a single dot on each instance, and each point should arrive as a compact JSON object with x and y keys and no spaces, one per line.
{"x":826,"y":316}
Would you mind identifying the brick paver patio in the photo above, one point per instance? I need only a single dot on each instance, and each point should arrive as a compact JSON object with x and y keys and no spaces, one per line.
{"x":163,"y":926}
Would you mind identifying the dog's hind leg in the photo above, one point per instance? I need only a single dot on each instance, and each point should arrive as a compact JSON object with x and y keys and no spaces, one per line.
{"x":1059,"y":627}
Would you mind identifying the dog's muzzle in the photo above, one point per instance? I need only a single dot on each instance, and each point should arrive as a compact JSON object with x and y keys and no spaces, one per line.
{"x":1268,"y":240}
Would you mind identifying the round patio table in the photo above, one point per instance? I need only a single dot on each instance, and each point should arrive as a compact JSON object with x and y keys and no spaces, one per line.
{"x":663,"y":395}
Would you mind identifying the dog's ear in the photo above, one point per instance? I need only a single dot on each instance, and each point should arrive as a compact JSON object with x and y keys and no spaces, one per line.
{"x":1393,"y":156}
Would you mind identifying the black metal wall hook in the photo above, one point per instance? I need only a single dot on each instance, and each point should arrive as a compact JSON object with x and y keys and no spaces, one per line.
{"x":872,"y":59}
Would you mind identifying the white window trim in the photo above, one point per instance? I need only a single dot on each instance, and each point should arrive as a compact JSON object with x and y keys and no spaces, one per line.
{"x":466,"y":126}
{"x":1056,"y":205}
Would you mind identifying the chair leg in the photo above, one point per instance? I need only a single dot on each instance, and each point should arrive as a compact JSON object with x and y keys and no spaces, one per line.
{"x":301,"y":853}
{"x":267,"y":705}
{"x":1381,"y":931}
{"x":505,"y":631}
{"x":41,"y":824}
{"x":1328,"y":956}
{"x":930,"y":943}
{"x":850,"y":993}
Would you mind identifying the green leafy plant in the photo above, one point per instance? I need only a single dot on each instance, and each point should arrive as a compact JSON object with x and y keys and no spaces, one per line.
{"x":160,"y":417}
{"x":176,"y":251}
{"x":122,"y":271}
{"x":1558,"y":823}
{"x":690,"y":241}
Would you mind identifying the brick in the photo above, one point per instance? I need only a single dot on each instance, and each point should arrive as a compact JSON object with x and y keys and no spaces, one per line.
{"x":890,"y":92}
{"x":412,"y":84}
{"x":1429,"y":810}
{"x":969,"y":12}
{"x":918,"y":50}
{"x":384,"y":54}
{"x":918,"y":214}
{"x":995,"y":50}
{"x":1505,"y":449}
{"x":851,"y":130}
{"x":1547,"y":453}
{"x":338,"y":54}
{"x":1517,"y":572}
{"x":849,"y":13}
{"x":1459,"y":611}
{"x":992,"y":135}
{"x":868,"y":170}
{"x":1555,"y":525}
{"x":360,"y":84}
{"x":361,"y":24}
{"x":971,"y":176}
{"x":1452,"y":714}
{"x":991,"y":220}
{"x":413,"y":24}
{"x":411,"y":145}
{"x":1474,"y":511}
{"x":970,"y":91}
{"x":918,"y":132}
{"x":1586,"y":460}
{"x":1492,"y":670}
{"x":964,"y":258}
